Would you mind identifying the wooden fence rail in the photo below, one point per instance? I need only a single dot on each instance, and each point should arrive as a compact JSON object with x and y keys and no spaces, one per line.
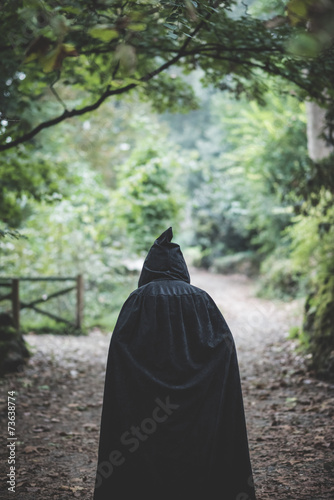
{"x":17,"y":304}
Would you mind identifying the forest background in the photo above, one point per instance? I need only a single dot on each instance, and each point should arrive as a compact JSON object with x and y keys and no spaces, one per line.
{"x":216,"y":148}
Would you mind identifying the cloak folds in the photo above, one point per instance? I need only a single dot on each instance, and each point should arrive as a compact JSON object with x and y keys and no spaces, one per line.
{"x":173,"y":424}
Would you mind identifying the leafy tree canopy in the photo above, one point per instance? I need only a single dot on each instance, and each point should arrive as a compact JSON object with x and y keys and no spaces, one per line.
{"x":76,"y":54}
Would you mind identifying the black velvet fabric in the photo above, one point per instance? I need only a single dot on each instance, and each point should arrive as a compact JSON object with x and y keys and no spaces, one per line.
{"x":173,"y":424}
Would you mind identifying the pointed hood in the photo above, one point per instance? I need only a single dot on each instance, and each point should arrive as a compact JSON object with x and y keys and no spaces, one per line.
{"x":164,"y":261}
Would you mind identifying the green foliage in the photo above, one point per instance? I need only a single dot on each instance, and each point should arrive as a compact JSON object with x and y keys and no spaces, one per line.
{"x":303,"y":342}
{"x":9,"y":233}
{"x":23,"y":178}
{"x":312,"y":237}
{"x":312,"y":243}
{"x":279,"y":279}
{"x":243,"y":197}
{"x":81,"y":230}
{"x":146,"y":202}
{"x":220,"y":213}
{"x":269,"y":141}
{"x":318,"y":327}
{"x":74,"y":236}
{"x":169,"y":91}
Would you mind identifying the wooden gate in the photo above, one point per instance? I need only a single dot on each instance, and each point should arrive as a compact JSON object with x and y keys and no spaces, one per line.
{"x":14,"y":296}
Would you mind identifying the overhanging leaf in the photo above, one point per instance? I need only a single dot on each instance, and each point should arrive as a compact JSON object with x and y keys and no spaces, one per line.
{"x":53,"y":60}
{"x":298,"y":11}
{"x":137,"y":26}
{"x":104,"y":33}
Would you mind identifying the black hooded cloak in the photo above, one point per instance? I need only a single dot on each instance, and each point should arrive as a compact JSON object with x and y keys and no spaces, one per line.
{"x":173,"y":424}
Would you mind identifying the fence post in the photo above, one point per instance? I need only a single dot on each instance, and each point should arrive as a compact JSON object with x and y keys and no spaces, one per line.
{"x":16,"y":303}
{"x":80,"y":299}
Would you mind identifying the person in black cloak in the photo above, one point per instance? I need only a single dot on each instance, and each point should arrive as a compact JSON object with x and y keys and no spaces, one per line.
{"x":173,"y":423}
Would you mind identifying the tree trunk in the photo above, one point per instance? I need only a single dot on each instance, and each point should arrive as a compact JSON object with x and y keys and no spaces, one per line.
{"x":13,"y":349}
{"x":318,"y":149}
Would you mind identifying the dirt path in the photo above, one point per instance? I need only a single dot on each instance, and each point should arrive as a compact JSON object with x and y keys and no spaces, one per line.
{"x":289,"y":413}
